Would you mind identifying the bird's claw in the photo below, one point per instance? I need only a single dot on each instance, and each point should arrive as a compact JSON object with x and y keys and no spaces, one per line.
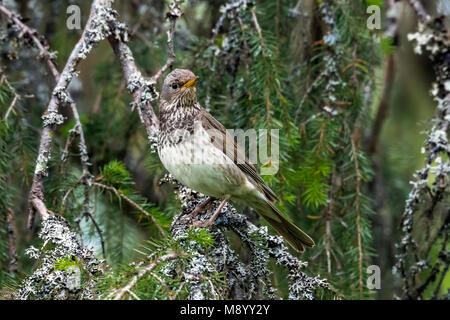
{"x":210,"y":221}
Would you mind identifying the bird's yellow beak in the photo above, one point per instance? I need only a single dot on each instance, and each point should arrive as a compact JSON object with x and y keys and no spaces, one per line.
{"x":191,"y":83}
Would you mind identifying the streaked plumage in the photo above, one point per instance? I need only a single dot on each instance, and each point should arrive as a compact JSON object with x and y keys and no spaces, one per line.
{"x":192,"y":148}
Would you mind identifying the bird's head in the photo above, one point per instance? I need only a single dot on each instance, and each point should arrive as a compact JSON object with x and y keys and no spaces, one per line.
{"x":180,"y":88}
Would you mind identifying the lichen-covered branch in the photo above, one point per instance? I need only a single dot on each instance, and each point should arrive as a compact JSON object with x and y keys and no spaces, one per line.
{"x":78,"y":129}
{"x":44,"y":50}
{"x":143,"y":90}
{"x":244,"y":280}
{"x":173,"y":15}
{"x":98,"y":27}
{"x":66,"y":270}
{"x":420,"y":10}
{"x":424,"y":200}
{"x":170,"y":256}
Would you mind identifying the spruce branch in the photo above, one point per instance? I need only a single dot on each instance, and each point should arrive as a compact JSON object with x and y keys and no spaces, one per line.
{"x":96,"y":28}
{"x":78,"y":129}
{"x":17,"y":97}
{"x":133,"y":203}
{"x":33,"y":34}
{"x":142,"y":272}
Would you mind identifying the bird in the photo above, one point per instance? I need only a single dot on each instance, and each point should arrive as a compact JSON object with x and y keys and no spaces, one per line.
{"x":197,"y":150}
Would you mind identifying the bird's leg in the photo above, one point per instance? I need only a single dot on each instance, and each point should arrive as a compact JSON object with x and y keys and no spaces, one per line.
{"x":213,"y":218}
{"x":200,"y":207}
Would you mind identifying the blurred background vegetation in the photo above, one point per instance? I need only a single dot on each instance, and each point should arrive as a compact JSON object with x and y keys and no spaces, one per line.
{"x":315,"y":72}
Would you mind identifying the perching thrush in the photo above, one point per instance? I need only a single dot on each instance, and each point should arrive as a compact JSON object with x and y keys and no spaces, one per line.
{"x":195,"y":148}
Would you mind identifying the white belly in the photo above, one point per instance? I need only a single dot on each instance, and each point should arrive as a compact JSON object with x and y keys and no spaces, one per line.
{"x":207,"y":170}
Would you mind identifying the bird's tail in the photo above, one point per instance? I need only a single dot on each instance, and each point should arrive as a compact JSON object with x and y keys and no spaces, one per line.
{"x":290,"y":232}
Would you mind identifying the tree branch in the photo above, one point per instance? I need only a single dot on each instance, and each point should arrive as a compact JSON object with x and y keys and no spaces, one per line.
{"x":173,"y":15}
{"x":101,"y":15}
{"x":420,"y":10}
{"x":432,"y":39}
{"x":143,"y":271}
{"x":43,"y":47}
{"x":134,"y":204}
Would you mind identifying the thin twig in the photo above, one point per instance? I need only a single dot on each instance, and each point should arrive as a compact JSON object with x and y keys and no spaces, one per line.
{"x":99,"y":231}
{"x":308,"y":91}
{"x":17,"y":97}
{"x":11,"y":106}
{"x":328,"y":216}
{"x":43,"y":48}
{"x":134,"y":204}
{"x":257,"y":26}
{"x":358,"y":216}
{"x":164,"y":284}
{"x":133,"y":294}
{"x":173,"y":15}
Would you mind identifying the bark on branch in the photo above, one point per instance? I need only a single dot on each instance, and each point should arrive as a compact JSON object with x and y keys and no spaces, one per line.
{"x":97,"y":28}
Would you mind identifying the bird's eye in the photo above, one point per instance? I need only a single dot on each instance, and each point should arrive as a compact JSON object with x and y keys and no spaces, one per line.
{"x":174,"y":86}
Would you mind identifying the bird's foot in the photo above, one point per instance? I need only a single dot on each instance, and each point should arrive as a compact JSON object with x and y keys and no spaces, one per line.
{"x":200,"y":207}
{"x":210,"y":221}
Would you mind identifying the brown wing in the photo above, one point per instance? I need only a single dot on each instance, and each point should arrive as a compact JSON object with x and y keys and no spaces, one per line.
{"x":221,"y":138}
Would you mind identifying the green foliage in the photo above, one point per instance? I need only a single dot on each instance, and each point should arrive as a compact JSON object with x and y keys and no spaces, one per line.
{"x":16,"y":155}
{"x":253,"y":74}
{"x":200,"y":236}
{"x":120,"y":238}
{"x":167,"y":279}
{"x":387,"y":45}
{"x":64,"y":264}
{"x":318,"y":174}
{"x":115,"y":174}
{"x":378,"y":3}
